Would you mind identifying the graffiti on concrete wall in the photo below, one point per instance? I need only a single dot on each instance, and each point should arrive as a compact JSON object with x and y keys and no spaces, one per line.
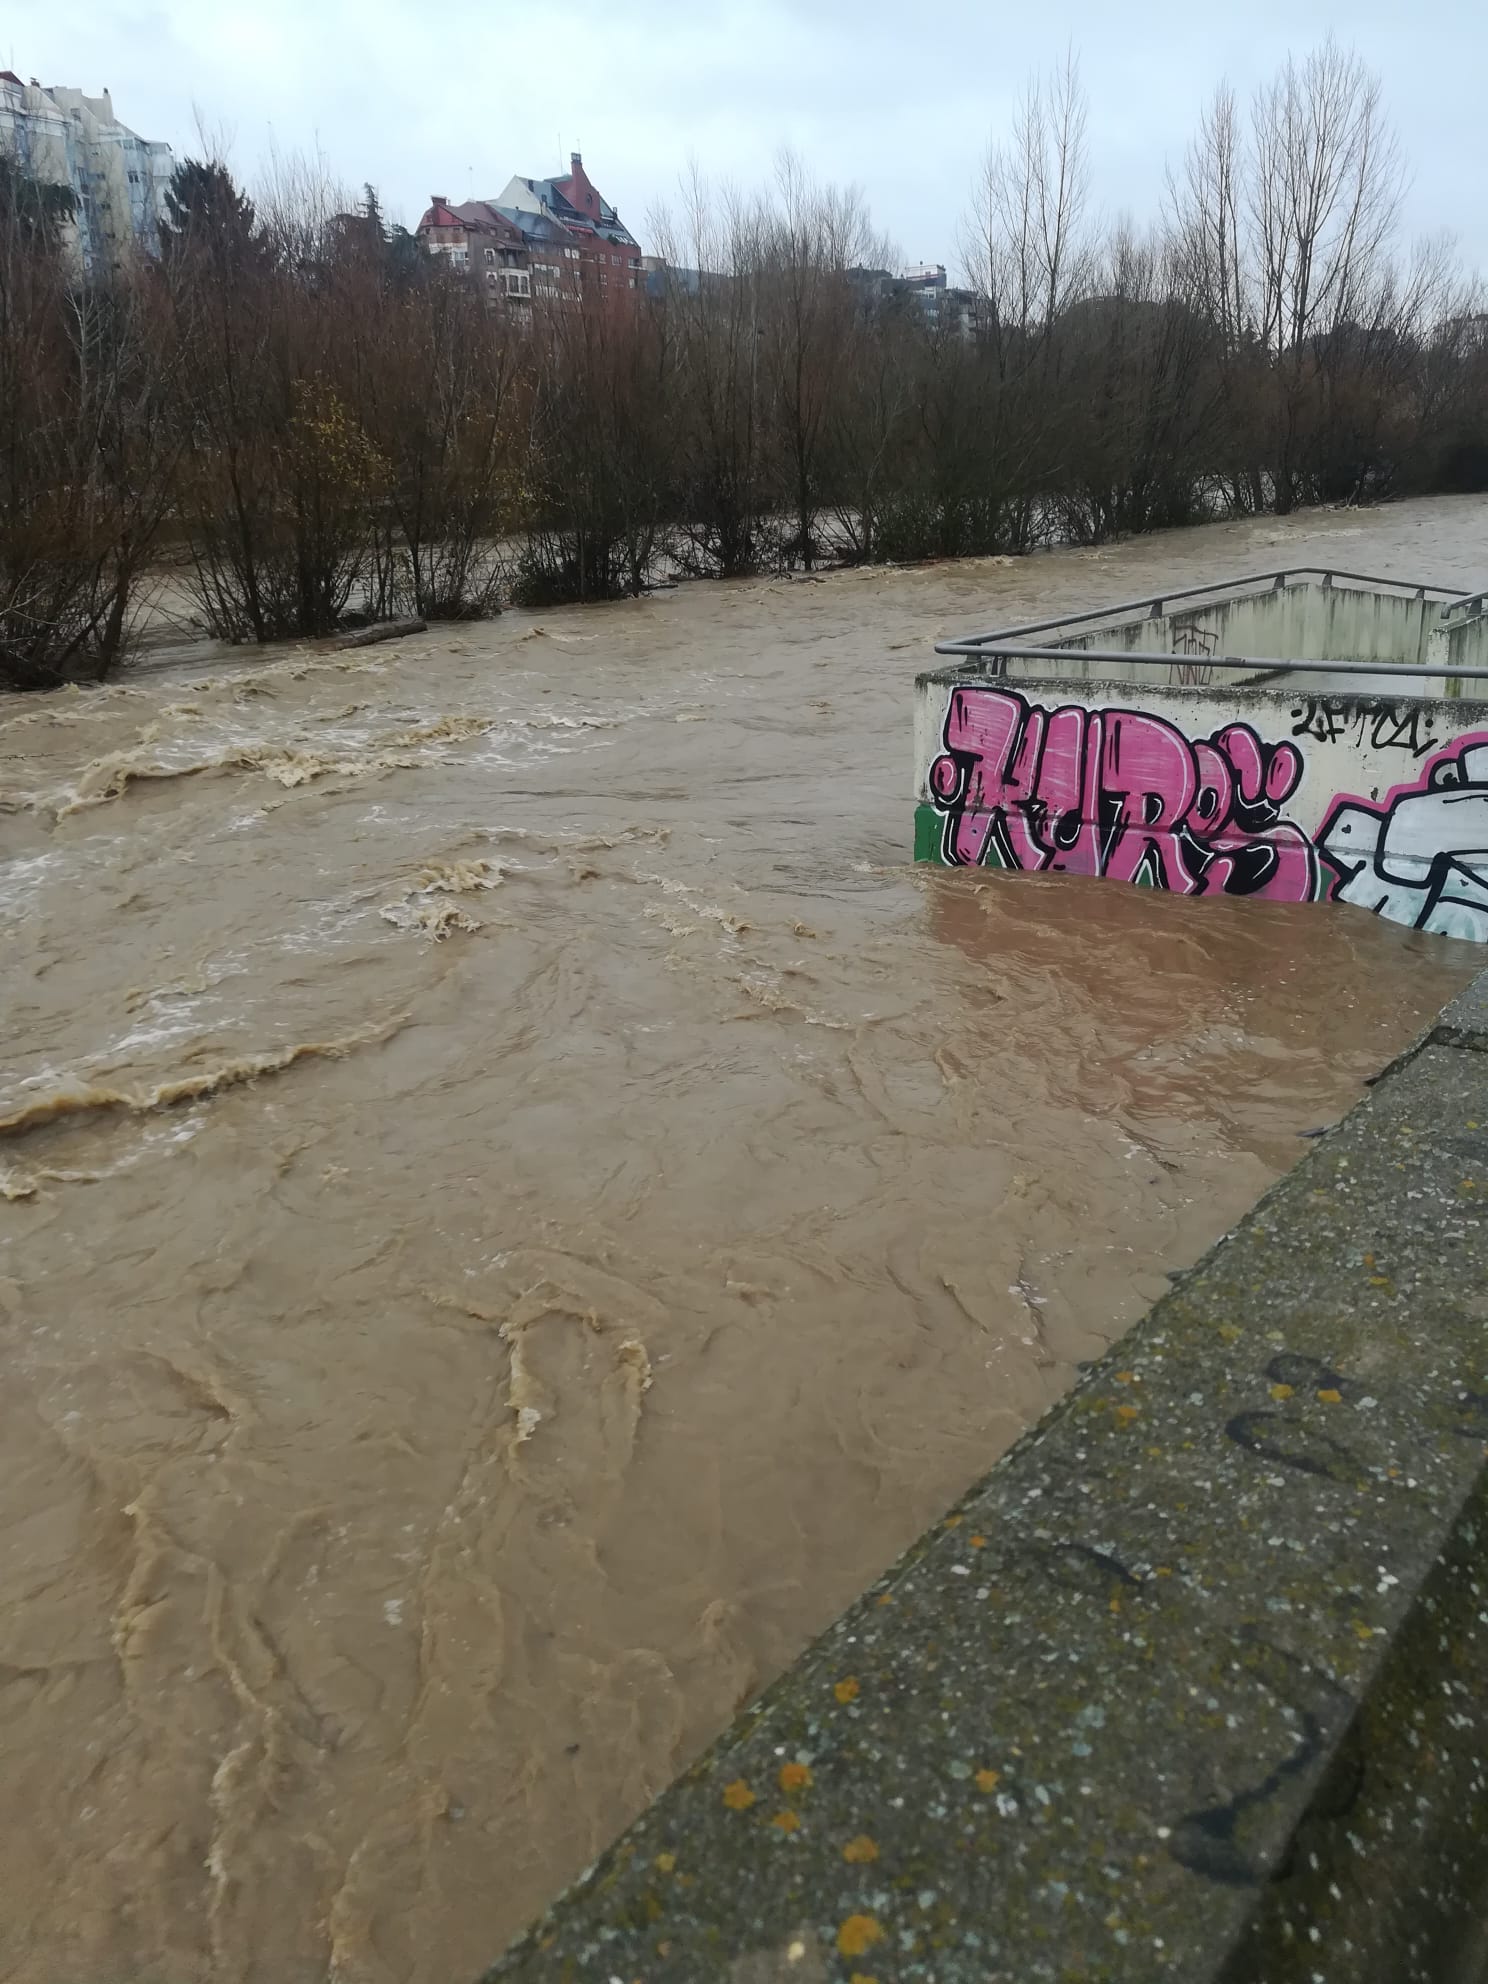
{"x":1125,"y":794}
{"x":1120,"y":793}
{"x":1419,"y":855}
{"x":1379,"y":726}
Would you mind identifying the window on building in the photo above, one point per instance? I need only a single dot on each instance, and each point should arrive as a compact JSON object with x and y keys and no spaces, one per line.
{"x":518,"y":282}
{"x":615,"y":261}
{"x":491,"y":276}
{"x":490,"y":254}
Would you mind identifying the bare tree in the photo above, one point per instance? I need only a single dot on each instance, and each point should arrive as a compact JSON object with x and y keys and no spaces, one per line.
{"x":1029,"y":256}
{"x":87,"y":445}
{"x":1324,"y":197}
{"x":710,"y":285}
{"x":812,"y":236}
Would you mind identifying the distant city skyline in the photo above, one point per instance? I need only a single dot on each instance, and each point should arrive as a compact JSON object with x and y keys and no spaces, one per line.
{"x":455,"y":100}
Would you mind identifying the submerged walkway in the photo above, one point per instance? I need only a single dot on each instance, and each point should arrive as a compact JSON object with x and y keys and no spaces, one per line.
{"x":1191,"y":1684}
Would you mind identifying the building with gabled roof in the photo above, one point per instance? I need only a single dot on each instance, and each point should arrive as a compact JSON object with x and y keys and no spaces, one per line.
{"x":477,"y":239}
{"x":561,"y":233}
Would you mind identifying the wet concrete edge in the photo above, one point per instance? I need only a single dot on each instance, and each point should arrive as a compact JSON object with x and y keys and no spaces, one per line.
{"x":1193,"y":1684}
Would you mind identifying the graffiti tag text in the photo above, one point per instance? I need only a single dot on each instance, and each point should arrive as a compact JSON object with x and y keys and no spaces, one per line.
{"x":1119,"y":793}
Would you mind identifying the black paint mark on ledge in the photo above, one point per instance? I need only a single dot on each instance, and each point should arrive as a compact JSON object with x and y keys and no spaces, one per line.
{"x":1212,"y":1840}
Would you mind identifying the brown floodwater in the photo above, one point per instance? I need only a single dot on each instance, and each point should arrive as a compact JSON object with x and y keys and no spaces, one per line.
{"x":518,"y":1201}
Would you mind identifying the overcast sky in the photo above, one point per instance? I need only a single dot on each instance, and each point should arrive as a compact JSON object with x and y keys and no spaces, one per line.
{"x":455,"y":97}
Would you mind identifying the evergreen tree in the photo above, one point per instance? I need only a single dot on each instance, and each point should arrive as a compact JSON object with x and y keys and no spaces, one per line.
{"x":39,"y":210}
{"x":206,"y":209}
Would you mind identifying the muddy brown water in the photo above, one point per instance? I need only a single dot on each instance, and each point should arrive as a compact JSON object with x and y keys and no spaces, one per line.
{"x":519,"y":1201}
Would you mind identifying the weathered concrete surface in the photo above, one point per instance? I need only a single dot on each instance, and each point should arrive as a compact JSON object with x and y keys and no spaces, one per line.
{"x":1193,"y":1685}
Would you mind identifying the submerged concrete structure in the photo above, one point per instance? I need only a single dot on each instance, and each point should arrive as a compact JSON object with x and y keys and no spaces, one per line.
{"x":1304,"y":736}
{"x":1190,"y":1686}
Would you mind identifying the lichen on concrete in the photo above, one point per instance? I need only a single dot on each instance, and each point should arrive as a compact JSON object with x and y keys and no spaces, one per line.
{"x":1190,"y":1685}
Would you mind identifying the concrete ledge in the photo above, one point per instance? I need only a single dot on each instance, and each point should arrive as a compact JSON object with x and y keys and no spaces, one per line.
{"x":1464,"y":1021}
{"x":1193,"y":1685}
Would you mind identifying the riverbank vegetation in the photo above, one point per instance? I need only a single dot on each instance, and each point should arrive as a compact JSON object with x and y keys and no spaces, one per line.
{"x":315,"y":421}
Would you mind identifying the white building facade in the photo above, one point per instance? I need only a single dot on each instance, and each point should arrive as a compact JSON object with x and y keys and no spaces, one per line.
{"x":117,"y":178}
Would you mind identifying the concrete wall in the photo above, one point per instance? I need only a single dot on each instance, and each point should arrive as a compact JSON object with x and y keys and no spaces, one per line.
{"x":1281,"y":793}
{"x":1307,"y":619}
{"x":1463,"y":643}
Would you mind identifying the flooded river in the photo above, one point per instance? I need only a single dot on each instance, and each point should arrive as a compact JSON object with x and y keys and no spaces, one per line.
{"x":518,"y":1201}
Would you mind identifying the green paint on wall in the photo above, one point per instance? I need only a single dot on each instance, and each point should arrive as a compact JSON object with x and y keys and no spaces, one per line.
{"x":929,"y":842}
{"x":929,"y":826}
{"x":1148,"y":875}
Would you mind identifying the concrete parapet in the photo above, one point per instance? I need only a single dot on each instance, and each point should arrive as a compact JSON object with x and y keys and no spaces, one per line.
{"x":1193,"y":1685}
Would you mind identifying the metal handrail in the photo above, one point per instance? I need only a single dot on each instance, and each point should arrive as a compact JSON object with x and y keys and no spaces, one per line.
{"x":1155,"y":602}
{"x":1013,"y":651}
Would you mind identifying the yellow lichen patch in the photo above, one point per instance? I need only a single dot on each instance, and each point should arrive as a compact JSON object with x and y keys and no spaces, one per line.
{"x":666,"y":1862}
{"x":1127,"y":1413}
{"x":847,"y":1690}
{"x":858,"y":1934}
{"x":1126,"y":1377}
{"x":858,"y":1852}
{"x":794,"y":1777}
{"x":885,"y":1598}
{"x":738,"y":1796}
{"x":953,"y":1522}
{"x":858,"y":1978}
{"x":977,"y":1542}
{"x":1279,"y":1392}
{"x":988,"y":1780}
{"x":786,"y":1822}
{"x":1331,"y":1397}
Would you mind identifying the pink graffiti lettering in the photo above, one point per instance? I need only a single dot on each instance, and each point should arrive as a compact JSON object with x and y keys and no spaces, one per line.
{"x":1120,"y":793}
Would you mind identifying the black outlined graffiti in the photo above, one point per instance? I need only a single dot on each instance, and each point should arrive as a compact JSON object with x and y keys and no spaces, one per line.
{"x":1193,"y":641}
{"x":1380,"y":726}
{"x":1121,"y":793}
{"x":1420,"y":855}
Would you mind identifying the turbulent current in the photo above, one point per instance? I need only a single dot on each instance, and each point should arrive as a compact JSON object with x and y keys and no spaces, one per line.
{"x":516,"y":1200}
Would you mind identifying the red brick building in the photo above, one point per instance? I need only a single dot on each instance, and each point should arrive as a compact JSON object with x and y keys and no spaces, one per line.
{"x":540,"y":238}
{"x":480,"y":241}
